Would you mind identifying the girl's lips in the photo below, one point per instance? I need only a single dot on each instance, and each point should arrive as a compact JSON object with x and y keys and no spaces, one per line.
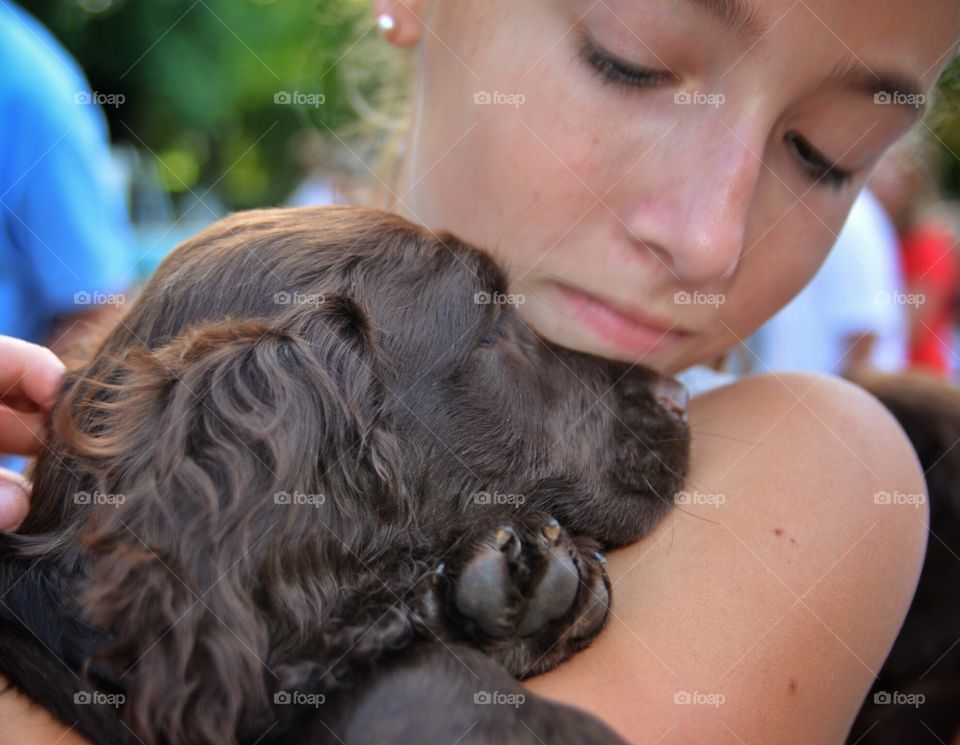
{"x":633,"y":333}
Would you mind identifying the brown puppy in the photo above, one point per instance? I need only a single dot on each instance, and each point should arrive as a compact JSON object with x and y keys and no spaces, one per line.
{"x":319,"y":479}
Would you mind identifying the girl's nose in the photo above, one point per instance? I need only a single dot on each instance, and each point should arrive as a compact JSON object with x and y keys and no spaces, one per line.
{"x":694,"y":214}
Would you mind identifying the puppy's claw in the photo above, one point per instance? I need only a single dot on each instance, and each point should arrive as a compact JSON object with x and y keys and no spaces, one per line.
{"x":504,"y":535}
{"x":551,"y":530}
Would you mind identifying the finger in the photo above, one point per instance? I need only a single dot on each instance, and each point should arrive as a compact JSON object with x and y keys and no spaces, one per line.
{"x":29,"y":370}
{"x":14,"y":499}
{"x":21,"y":432}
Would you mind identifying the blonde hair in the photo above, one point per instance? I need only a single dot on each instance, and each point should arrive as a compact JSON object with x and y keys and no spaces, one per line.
{"x":378,"y":82}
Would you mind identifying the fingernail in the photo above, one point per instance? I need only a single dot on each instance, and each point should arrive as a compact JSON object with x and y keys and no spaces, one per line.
{"x":13,"y":506}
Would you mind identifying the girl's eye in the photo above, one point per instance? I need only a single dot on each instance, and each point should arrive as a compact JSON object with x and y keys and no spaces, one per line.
{"x":612,"y":70}
{"x":817,"y":167}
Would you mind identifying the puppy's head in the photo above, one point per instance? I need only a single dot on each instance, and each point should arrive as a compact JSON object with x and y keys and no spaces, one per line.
{"x":294,"y":394}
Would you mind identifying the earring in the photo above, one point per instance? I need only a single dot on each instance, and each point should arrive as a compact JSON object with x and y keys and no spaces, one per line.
{"x":386,"y":23}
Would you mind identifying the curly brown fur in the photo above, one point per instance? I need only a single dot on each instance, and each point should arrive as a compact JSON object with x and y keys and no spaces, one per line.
{"x":282,"y":472}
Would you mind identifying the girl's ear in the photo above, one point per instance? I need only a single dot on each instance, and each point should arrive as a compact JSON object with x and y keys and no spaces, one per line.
{"x":204,"y":454}
{"x":400,"y":22}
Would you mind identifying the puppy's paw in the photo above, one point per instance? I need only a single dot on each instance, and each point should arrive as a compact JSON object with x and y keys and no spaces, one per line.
{"x":525,"y":591}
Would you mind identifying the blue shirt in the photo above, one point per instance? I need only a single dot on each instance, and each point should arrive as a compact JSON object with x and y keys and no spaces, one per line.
{"x":64,"y":233}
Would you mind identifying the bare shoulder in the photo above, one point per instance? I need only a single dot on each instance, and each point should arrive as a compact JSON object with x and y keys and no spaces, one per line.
{"x":828,"y":399}
{"x":761,"y":609}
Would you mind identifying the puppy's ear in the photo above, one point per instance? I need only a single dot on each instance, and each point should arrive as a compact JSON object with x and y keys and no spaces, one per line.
{"x":219,"y":502}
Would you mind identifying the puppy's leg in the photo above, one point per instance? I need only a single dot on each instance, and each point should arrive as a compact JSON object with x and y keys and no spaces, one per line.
{"x":524,"y":591}
{"x":438,"y":694}
{"x":379,"y":616}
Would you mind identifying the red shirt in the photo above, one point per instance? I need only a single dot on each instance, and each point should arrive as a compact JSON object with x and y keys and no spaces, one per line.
{"x":930,"y":264}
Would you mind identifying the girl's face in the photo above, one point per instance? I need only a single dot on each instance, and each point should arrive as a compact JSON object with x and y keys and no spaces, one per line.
{"x":660,"y":176}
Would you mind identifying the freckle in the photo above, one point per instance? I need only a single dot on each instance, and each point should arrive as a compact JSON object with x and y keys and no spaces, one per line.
{"x":792,"y":687}
{"x":793,"y":540}
{"x":596,"y":140}
{"x":778,"y":531}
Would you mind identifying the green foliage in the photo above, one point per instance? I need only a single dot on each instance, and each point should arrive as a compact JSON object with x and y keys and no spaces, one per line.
{"x":944,"y":126}
{"x":200,"y":79}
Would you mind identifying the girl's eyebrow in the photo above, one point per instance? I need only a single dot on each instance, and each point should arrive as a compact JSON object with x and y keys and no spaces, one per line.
{"x":735,"y":15}
{"x":902,"y":89}
{"x":898,"y":88}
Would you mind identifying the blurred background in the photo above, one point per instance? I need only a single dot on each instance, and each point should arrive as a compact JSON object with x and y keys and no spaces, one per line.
{"x":218,"y":105}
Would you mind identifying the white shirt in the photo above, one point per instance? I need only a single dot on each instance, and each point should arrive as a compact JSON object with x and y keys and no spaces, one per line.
{"x":701,"y":378}
{"x":859,"y":289}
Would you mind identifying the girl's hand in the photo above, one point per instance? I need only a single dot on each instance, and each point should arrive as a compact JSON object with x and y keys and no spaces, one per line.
{"x":29,"y":377}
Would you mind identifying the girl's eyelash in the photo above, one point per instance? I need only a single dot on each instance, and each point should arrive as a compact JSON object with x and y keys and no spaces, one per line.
{"x":816,"y":165}
{"x":614,"y":71}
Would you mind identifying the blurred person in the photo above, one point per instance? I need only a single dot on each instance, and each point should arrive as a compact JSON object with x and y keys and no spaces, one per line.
{"x":905,"y":182}
{"x":852,"y":313}
{"x":64,"y":230}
